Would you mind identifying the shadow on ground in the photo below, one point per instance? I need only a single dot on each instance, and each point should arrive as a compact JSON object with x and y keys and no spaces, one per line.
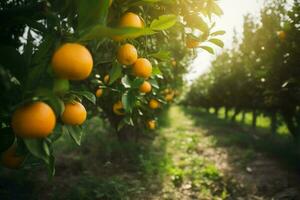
{"x":267,"y":166}
{"x":102,"y":168}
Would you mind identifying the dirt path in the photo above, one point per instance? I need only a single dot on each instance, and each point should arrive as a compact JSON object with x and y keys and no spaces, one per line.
{"x":202,"y":169}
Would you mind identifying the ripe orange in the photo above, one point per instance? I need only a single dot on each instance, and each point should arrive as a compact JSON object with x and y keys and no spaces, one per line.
{"x":34,"y":120}
{"x":154,"y":104}
{"x":74,"y":114}
{"x":118,"y":108}
{"x":281,"y":35}
{"x":106,"y":79}
{"x":192,"y":43}
{"x":145,"y":87}
{"x":142,"y":68}
{"x":99,"y":92}
{"x":72,"y":61}
{"x":10,"y":159}
{"x":130,"y":19}
{"x":169,"y":97}
{"x":127,"y":54}
{"x":151,"y":124}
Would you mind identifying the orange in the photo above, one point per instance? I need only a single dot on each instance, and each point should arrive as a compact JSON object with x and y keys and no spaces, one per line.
{"x":127,"y":54}
{"x":74,"y":114}
{"x":151,"y":124}
{"x":72,"y":61}
{"x":154,"y":104}
{"x":110,"y":2}
{"x":34,"y":120}
{"x":145,"y":87}
{"x":118,"y":108}
{"x":99,"y":92}
{"x":130,"y":19}
{"x":169,"y":97}
{"x":106,"y":79}
{"x":281,"y":35}
{"x":192,"y":43}
{"x":10,"y":159}
{"x":142,"y":68}
{"x":174,"y":63}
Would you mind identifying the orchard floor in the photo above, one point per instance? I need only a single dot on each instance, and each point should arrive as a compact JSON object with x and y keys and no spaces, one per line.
{"x":192,"y":156}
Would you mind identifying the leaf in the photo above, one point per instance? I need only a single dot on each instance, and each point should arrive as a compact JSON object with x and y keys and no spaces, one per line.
{"x":100,"y":31}
{"x":216,"y":33}
{"x":38,"y":148}
{"x":208,"y":49}
{"x":196,"y":21}
{"x":51,"y":166}
{"x":217,"y":42}
{"x":163,"y":22}
{"x":156,"y":71}
{"x":215,"y":8}
{"x":137,"y":82}
{"x":161,"y":55}
{"x":126,"y":82}
{"x":115,"y":73}
{"x":75,"y":132}
{"x":128,"y":101}
{"x":86,"y":94}
{"x":7,"y":138}
{"x":93,"y":12}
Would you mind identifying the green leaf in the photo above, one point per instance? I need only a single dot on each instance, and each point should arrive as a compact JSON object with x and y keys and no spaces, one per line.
{"x":7,"y":138}
{"x":217,"y":42}
{"x":75,"y":133}
{"x":163,"y":22}
{"x":115,"y":73}
{"x":162,"y":55}
{"x":128,"y":101}
{"x":126,"y":82}
{"x":156,"y":71}
{"x":215,"y":8}
{"x":196,"y":21}
{"x":208,"y":49}
{"x":92,"y":12}
{"x":99,"y":32}
{"x":51,"y":166}
{"x":86,"y":94}
{"x":137,"y":82}
{"x":216,"y":33}
{"x":38,"y":148}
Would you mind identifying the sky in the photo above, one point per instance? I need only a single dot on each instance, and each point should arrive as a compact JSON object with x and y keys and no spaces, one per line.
{"x":234,"y":10}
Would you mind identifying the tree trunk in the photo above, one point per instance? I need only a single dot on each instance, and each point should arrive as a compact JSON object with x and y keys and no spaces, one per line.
{"x":254,"y":118}
{"x":217,"y":111}
{"x":243,"y":117}
{"x":226,"y":112}
{"x":273,"y":122}
{"x":236,"y":112}
{"x":291,"y":126}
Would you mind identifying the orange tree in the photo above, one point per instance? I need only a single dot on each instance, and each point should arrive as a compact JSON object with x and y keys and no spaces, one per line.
{"x":65,"y":61}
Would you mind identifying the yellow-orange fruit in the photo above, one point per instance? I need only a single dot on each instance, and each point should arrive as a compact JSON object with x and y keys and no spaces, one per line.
{"x":127,"y":54}
{"x":192,"y":43}
{"x":72,"y":61}
{"x":110,"y":2}
{"x":142,"y":68}
{"x":74,"y":114}
{"x":118,"y":108}
{"x":130,"y":19}
{"x":145,"y":87}
{"x":34,"y":120}
{"x":10,"y":159}
{"x":106,"y":79}
{"x":154,"y":104}
{"x":99,"y":92}
{"x":151,"y":124}
{"x":169,"y":97}
{"x":281,"y":35}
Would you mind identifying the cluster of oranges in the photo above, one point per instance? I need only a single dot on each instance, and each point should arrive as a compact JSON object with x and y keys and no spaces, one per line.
{"x":71,"y":61}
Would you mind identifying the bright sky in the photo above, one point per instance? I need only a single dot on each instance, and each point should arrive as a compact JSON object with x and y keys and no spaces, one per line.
{"x":234,"y":10}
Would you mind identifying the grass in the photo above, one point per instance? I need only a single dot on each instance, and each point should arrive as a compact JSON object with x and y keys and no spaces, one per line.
{"x":263,"y":122}
{"x":226,"y":133}
{"x":167,"y":164}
